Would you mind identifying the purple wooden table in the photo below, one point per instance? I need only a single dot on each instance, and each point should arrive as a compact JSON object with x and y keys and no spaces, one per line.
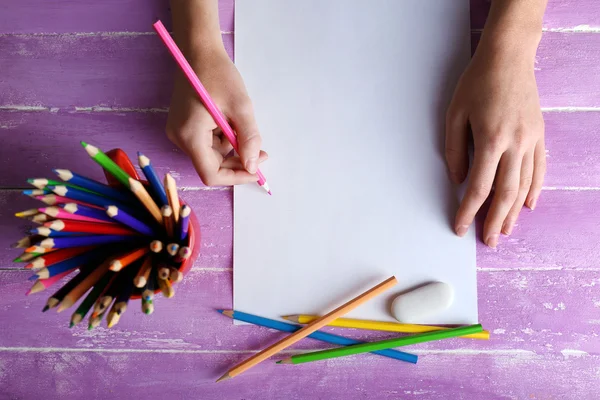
{"x":73,"y":70}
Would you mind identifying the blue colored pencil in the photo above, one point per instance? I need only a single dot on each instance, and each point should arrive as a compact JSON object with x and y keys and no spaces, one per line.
{"x":95,"y":186}
{"x":78,"y":241}
{"x":85,"y":211}
{"x":47,"y":232}
{"x":86,"y":197}
{"x":184,"y":221}
{"x":36,"y":192}
{"x":318,"y":335}
{"x":157,"y":187}
{"x":69,"y":263}
{"x":121,"y":216}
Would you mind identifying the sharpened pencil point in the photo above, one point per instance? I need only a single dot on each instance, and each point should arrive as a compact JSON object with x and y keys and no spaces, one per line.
{"x":46,"y":308}
{"x":221,"y":311}
{"x":223,"y":378}
{"x":270,"y":194}
{"x":278,"y":362}
{"x":90,"y":327}
{"x":71,"y":324}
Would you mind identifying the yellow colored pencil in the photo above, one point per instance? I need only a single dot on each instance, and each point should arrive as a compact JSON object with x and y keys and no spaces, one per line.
{"x":171,"y":188}
{"x":381,"y":326}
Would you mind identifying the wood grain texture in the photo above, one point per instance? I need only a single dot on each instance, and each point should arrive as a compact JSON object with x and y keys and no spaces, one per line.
{"x":571,"y":140}
{"x":64,"y":16}
{"x":537,"y":311}
{"x":191,"y":376}
{"x":66,"y":71}
{"x":136,"y":71}
{"x":212,"y":207}
{"x":577,"y":15}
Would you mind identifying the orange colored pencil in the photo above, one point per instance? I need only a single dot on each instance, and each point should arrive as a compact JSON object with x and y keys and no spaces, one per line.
{"x":39,"y":249}
{"x":89,"y":227}
{"x":123,"y":261}
{"x":57,"y":256}
{"x":144,"y":197}
{"x":79,"y":290}
{"x":143,"y":274}
{"x":168,"y":219}
{"x":308,"y":329}
{"x":171,"y":188}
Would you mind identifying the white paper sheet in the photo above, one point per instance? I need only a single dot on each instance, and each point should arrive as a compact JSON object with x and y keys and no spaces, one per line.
{"x":350,"y":97}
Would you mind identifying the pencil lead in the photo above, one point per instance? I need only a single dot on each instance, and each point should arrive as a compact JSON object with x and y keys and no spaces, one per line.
{"x":32,"y":278}
{"x":71,"y":324}
{"x":84,"y":144}
{"x":221,"y":311}
{"x":278,"y":362}
{"x":223,"y":378}
{"x":46,"y":308}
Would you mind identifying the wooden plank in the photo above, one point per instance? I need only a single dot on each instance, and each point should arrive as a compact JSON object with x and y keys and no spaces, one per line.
{"x":576,"y":15}
{"x":560,"y":233}
{"x":62,"y":16}
{"x":538,"y":311}
{"x":66,"y":71}
{"x":571,"y":140}
{"x":212,"y":207}
{"x":136,"y":71}
{"x":90,"y":375}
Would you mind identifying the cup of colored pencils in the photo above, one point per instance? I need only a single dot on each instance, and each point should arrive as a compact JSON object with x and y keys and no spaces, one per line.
{"x":107,"y":244}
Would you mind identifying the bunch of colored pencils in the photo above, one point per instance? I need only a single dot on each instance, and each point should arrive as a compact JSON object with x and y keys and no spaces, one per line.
{"x":121,"y":242}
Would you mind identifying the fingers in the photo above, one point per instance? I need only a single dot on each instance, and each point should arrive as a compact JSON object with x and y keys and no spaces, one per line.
{"x":235,"y":162}
{"x":505,"y":195}
{"x":457,"y":157}
{"x":248,"y":136}
{"x":479,"y":186}
{"x":524,"y":186}
{"x":221,"y":144}
{"x":207,"y":162}
{"x":539,"y":171}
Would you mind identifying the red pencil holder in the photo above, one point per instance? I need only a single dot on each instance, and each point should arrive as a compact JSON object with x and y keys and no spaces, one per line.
{"x":123,"y":161}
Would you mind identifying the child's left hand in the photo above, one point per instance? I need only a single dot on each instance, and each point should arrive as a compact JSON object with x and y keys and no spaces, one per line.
{"x":497,"y":99}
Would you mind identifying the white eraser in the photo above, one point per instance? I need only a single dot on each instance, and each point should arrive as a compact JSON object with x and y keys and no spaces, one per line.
{"x":412,"y":307}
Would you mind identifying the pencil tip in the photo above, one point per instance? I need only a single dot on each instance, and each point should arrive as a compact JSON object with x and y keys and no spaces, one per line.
{"x":84,"y":144}
{"x":90,"y":327}
{"x":46,"y":308}
{"x":270,"y":194}
{"x":223,"y":378}
{"x":71,"y":324}
{"x":278,"y":362}
{"x":221,"y":311}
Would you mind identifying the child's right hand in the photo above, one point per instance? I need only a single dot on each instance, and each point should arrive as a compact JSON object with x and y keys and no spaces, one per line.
{"x":194,"y":131}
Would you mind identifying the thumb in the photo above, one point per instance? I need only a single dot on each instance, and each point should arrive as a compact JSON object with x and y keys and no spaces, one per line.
{"x":248,"y":136}
{"x":457,"y":157}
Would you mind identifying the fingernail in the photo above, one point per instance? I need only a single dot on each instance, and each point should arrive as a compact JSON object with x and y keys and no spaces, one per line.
{"x":251,"y":165}
{"x":532,"y":202}
{"x":461,"y":230}
{"x":492,"y":240}
{"x":508,"y":227}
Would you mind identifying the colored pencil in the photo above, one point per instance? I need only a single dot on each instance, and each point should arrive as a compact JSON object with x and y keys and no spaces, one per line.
{"x":78,"y":241}
{"x":148,"y":292}
{"x":89,"y":227}
{"x":156,"y":246}
{"x":171,"y":188}
{"x":112,"y":318}
{"x":122,"y":298}
{"x":308,"y":329}
{"x":56,"y":257}
{"x":88,"y":212}
{"x":108,"y":295}
{"x":39,"y":249}
{"x":205,"y":98}
{"x":144,"y":197}
{"x":163,"y":273}
{"x":43,"y":284}
{"x":175,"y":275}
{"x":143,"y":274}
{"x":70,"y":263}
{"x":40,"y":218}
{"x":380,"y":326}
{"x":166,"y":288}
{"x":89,"y":300}
{"x":61,"y":213}
{"x":27,"y":241}
{"x":82,"y":287}
{"x":168,"y":219}
{"x":155,"y":183}
{"x":318,"y":335}
{"x":95,"y":321}
{"x":27,"y":213}
{"x":105,"y":162}
{"x":381,"y":345}
{"x":26,"y":256}
{"x":183,"y":254}
{"x":54,"y":199}
{"x":172,"y":249}
{"x":123,"y":261}
{"x":147,"y":306}
{"x":42,"y":183}
{"x":121,"y":216}
{"x":60,"y":294}
{"x":88,"y":198}
{"x":47,"y":232}
{"x":36,"y":192}
{"x":92,"y":185}
{"x":184,"y":222}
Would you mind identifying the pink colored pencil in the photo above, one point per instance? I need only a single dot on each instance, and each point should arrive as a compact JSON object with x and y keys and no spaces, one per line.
{"x":43,"y":284}
{"x":208,"y":102}
{"x":59,"y":213}
{"x":54,"y":199}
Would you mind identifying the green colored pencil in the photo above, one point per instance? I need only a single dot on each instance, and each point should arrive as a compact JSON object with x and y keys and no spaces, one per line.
{"x":105,"y":162}
{"x":41,"y":183}
{"x":381,"y":345}
{"x":91,"y":298}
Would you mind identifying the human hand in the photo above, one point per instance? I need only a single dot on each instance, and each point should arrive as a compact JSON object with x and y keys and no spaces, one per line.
{"x":192,"y":129}
{"x":497,"y":99}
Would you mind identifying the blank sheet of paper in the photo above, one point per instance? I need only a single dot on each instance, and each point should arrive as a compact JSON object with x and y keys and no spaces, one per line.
{"x":350,"y":97}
